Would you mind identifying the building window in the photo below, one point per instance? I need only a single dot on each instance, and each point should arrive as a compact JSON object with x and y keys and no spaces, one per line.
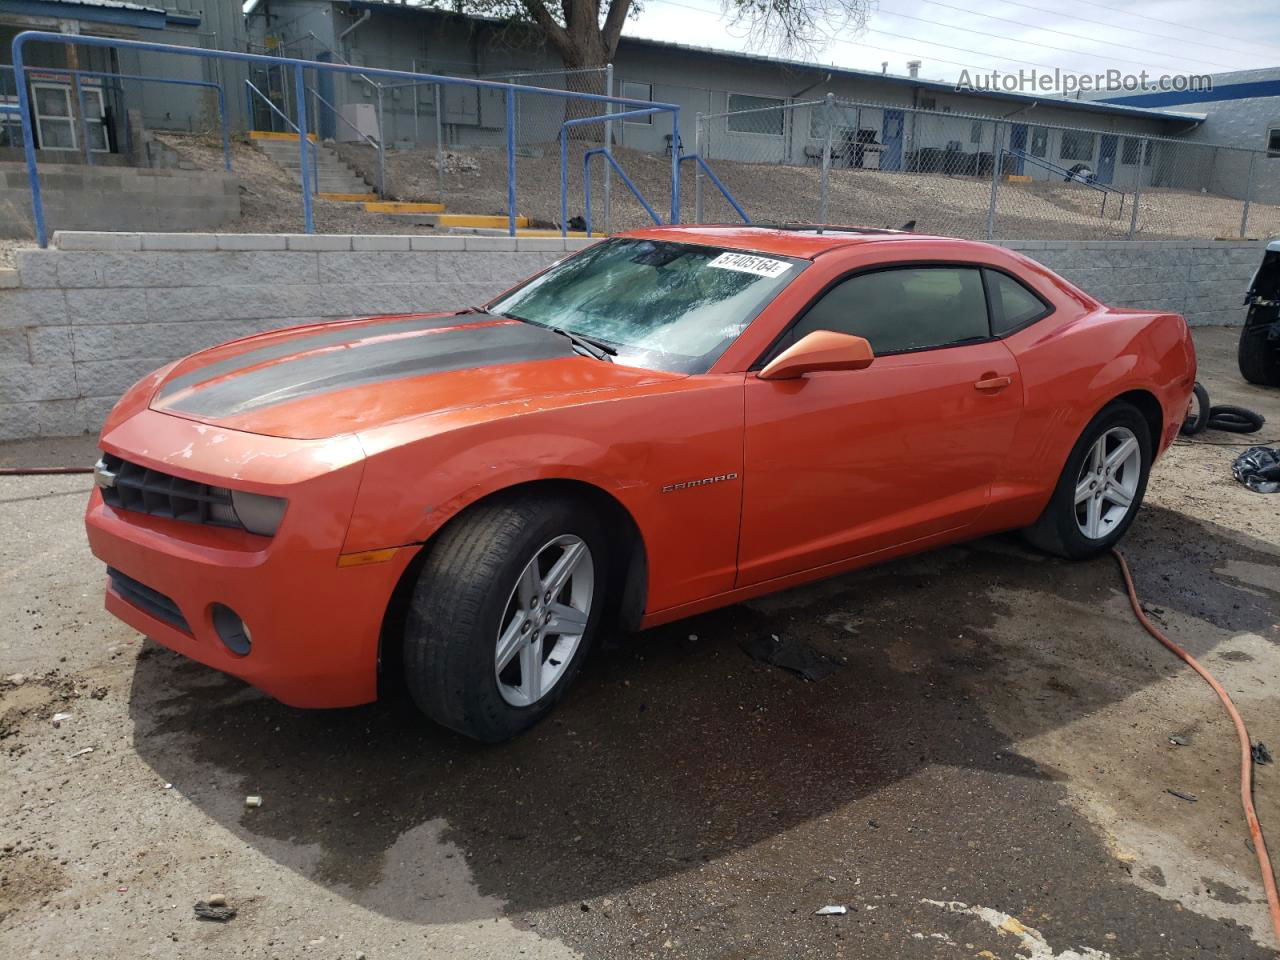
{"x":1039,"y":142}
{"x":1076,"y":145}
{"x":764,"y":120}
{"x":1129,"y":151}
{"x":1273,"y":142}
{"x":1147,"y":155}
{"x":975,"y":132}
{"x":635,"y":90}
{"x":928,"y":103}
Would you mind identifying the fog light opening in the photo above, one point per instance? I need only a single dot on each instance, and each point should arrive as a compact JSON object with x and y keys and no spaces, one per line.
{"x":233,"y":631}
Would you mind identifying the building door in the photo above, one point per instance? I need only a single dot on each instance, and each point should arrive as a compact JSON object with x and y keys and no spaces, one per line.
{"x":1018,"y":144}
{"x":1107,"y":157}
{"x":325,"y":121}
{"x":891,"y":135}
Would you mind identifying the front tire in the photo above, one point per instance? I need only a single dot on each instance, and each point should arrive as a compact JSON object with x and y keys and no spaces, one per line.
{"x":505,"y":608}
{"x":1100,"y":489}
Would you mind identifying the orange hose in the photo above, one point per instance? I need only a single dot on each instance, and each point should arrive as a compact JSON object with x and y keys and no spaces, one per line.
{"x":1246,"y":745}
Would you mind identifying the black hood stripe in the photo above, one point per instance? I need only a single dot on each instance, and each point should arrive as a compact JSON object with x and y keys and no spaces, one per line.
{"x":347,"y":333}
{"x":310,"y":374}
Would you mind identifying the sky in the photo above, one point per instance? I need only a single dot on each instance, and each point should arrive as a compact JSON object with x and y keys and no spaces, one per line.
{"x":1164,"y":37}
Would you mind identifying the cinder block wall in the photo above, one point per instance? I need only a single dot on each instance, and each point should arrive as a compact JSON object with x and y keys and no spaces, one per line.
{"x":1204,"y":280}
{"x":83,"y":197}
{"x":84,"y":319}
{"x":81,"y":321}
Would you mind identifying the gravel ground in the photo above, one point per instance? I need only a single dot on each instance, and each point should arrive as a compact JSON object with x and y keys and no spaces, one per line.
{"x":996,"y":746}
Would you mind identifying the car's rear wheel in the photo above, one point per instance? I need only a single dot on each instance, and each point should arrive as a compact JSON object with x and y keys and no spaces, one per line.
{"x":1259,"y":355}
{"x":504,"y":610}
{"x":1101,"y":487}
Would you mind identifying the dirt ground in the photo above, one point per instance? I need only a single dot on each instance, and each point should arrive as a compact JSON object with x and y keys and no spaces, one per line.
{"x":475,"y":182}
{"x":987,"y":776}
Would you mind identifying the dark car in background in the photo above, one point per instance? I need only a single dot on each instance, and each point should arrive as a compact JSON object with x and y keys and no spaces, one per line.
{"x":1259,"y":354}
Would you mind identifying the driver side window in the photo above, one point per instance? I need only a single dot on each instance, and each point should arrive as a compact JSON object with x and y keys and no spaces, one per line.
{"x":900,"y":309}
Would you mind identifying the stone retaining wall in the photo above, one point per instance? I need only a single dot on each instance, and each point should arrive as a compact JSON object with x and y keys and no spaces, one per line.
{"x":81,"y":321}
{"x":80,"y":197}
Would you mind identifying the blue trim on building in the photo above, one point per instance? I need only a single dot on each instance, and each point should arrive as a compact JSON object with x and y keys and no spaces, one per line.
{"x":1229,"y":91}
{"x":146,"y":19}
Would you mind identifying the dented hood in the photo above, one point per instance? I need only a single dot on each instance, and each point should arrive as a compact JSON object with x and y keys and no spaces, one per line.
{"x":343,"y":377}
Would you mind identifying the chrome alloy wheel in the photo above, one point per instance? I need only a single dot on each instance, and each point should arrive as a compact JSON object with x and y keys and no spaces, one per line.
{"x":544,"y":621}
{"x":1108,"y":482}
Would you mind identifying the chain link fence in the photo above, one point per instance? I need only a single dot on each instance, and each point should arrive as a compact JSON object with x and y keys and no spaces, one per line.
{"x":843,"y":161}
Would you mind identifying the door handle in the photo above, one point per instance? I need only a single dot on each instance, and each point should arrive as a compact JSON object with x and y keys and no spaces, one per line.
{"x":993,"y":383}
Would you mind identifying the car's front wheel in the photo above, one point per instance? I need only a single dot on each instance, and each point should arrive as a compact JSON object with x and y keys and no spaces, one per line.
{"x":1101,"y":486}
{"x":504,"y":610}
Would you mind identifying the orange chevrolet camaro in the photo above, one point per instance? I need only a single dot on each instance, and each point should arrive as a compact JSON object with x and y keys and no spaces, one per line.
{"x":670,"y":421}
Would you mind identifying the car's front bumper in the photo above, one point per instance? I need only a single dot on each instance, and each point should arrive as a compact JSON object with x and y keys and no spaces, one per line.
{"x":314,"y":625}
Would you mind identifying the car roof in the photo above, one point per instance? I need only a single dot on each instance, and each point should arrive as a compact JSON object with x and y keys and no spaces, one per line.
{"x":804,"y":240}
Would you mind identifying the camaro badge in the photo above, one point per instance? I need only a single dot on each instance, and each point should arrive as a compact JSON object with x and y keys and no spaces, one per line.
{"x":699,"y":483}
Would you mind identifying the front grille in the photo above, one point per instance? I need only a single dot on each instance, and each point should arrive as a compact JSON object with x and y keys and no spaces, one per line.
{"x":129,"y":486}
{"x":152,"y":601}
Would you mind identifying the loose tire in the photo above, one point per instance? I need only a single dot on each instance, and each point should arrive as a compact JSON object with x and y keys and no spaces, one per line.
{"x":1259,"y":356}
{"x":506,"y":605}
{"x":1101,"y":486}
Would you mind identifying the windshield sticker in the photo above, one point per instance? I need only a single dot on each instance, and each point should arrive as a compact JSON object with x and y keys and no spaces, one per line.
{"x":747,"y":263}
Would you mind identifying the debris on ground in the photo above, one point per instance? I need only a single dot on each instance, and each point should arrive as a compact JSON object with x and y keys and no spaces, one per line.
{"x":1261,"y":755}
{"x":252,"y":801}
{"x":831,"y":910}
{"x":57,"y":718}
{"x":1258,"y":468}
{"x":80,"y":753}
{"x":205,"y":910}
{"x":1178,"y":741}
{"x":1189,"y":797}
{"x":793,"y":655}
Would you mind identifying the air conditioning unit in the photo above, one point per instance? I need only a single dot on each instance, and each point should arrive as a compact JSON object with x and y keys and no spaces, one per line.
{"x":362,"y":116}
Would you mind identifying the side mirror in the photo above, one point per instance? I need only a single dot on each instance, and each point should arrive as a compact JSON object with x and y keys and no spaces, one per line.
{"x":820,"y":350}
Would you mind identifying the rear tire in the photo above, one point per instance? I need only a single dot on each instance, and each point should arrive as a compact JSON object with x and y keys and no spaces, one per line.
{"x":475,"y":604}
{"x":1259,"y":356}
{"x":1097,"y":499}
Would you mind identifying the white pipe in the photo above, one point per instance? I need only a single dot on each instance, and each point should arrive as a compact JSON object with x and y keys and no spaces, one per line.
{"x":364,"y":18}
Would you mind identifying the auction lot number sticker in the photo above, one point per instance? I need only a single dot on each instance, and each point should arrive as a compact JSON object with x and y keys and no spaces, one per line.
{"x":749,"y":263}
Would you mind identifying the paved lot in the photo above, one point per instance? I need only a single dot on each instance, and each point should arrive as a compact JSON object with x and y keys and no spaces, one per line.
{"x":996,"y":746}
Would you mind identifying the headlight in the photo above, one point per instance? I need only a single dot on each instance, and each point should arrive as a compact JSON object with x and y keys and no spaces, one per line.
{"x":258,"y":513}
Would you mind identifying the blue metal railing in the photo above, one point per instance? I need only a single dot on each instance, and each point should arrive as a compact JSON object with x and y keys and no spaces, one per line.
{"x":376,"y":144}
{"x":223,"y":120}
{"x":716,"y":182}
{"x":299,"y":78}
{"x":252,"y":91}
{"x":609,"y":117}
{"x":1104,"y":188}
{"x":586,"y":188}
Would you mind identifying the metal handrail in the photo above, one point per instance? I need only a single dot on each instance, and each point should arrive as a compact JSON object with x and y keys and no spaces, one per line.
{"x":702,"y":165}
{"x":304,"y":137}
{"x":299,"y":67}
{"x":382,"y":167}
{"x":564,"y":156}
{"x":586,"y":188}
{"x":1104,"y":188}
{"x":223,"y":119}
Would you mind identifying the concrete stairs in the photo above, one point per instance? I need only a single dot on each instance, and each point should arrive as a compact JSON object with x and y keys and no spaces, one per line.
{"x":340,"y":183}
{"x":337,"y":180}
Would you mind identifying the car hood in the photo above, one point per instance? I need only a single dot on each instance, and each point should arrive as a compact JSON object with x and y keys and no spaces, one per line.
{"x":344,"y":377}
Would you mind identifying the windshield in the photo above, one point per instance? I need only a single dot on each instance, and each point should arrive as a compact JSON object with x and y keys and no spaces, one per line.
{"x":662,"y":306}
